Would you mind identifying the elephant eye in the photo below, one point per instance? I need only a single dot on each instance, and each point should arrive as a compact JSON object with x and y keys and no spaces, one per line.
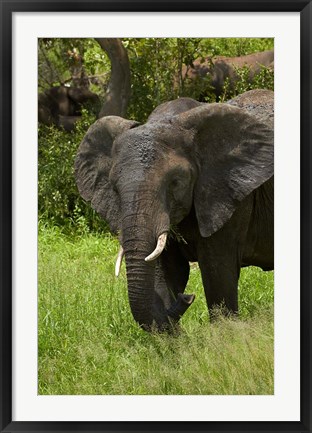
{"x":175,"y":183}
{"x":177,"y":187}
{"x":179,"y":182}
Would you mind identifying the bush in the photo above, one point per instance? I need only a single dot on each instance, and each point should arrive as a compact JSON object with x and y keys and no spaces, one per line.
{"x":262,"y":80}
{"x":59,"y":201}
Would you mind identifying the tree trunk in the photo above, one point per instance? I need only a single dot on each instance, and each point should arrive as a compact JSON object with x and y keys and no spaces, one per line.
{"x":118,"y":91}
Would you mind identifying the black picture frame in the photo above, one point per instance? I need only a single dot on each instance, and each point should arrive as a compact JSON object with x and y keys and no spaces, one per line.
{"x":7,"y":10}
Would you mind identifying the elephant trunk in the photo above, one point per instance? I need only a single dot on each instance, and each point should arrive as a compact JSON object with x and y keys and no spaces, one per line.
{"x":140,"y":277}
{"x":178,"y":308}
{"x":151,"y":308}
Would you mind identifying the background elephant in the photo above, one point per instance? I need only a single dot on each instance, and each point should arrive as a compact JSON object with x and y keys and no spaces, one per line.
{"x":62,"y":105}
{"x":215,"y":70}
{"x":204,"y":169}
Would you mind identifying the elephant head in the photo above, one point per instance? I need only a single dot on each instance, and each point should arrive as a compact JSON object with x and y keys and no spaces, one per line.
{"x":142,"y":179}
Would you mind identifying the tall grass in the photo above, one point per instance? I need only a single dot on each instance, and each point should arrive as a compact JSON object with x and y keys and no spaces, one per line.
{"x":90,"y":344}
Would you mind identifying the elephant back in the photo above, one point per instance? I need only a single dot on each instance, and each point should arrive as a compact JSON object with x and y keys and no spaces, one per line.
{"x":169,"y":109}
{"x":258,"y":103}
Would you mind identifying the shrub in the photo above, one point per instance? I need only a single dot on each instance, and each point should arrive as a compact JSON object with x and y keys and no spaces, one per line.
{"x":59,"y":201}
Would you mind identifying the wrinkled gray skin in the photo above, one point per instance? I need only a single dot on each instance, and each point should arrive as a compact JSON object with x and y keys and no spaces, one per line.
{"x":61,"y":105}
{"x":220,"y":68}
{"x":207,"y":170}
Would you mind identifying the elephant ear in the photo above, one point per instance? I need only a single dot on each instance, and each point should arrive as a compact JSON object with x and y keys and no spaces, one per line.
{"x":93,"y":163}
{"x":235,"y":155}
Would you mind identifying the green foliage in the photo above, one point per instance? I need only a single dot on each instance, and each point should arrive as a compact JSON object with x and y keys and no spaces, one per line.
{"x":152,"y":63}
{"x":90,"y":344}
{"x":232,"y":47}
{"x":59,"y":202}
{"x":156,"y":67}
{"x":262,"y":80}
{"x":68,"y":60}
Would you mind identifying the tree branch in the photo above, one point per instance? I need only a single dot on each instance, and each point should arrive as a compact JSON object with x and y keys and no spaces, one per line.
{"x":119,"y":87}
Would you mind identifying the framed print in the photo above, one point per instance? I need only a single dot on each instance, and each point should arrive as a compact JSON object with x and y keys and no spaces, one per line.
{"x":174,"y":137}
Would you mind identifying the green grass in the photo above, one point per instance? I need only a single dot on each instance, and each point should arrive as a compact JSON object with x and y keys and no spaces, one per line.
{"x":90,"y":344}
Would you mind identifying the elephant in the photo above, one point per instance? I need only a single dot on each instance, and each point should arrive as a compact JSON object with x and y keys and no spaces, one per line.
{"x":61,"y":105}
{"x":192,"y":184}
{"x":217,"y":69}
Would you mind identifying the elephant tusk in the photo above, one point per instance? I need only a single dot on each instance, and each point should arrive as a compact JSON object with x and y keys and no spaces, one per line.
{"x":121,"y":253}
{"x":161,"y":243}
